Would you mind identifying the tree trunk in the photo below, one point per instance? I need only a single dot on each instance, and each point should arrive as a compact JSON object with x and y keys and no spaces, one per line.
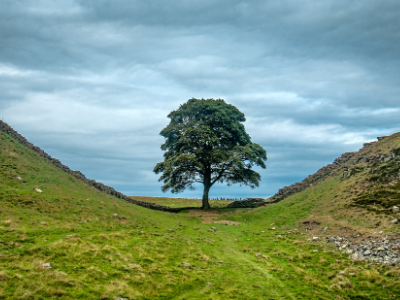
{"x":207,"y":186}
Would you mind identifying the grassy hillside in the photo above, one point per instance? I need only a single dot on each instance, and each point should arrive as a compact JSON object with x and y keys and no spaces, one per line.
{"x":100,"y":247}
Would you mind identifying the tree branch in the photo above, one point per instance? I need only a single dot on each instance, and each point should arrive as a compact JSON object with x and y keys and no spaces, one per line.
{"x":218,"y":177}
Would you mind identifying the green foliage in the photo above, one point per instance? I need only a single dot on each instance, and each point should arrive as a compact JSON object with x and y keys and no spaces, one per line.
{"x":206,"y":143}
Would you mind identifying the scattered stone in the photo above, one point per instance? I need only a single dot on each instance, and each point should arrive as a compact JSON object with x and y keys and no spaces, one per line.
{"x":396,"y":209}
{"x":315,"y":238}
{"x":226,"y":222}
{"x":384,"y":251}
{"x":19,"y":179}
{"x":186,"y":265}
{"x":273,"y":228}
{"x":315,"y":251}
{"x":260,"y":255}
{"x":214,"y":228}
{"x":46,"y":266}
{"x":278,"y":236}
{"x":367,"y":252}
{"x":115,"y":215}
{"x":355,"y":256}
{"x":342,"y":272}
{"x":119,"y":298}
{"x":394,"y":221}
{"x":38,"y":190}
{"x":326,"y":229}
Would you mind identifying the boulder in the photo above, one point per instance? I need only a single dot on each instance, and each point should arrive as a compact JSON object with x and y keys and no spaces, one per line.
{"x":367,"y":252}
{"x":186,"y":265}
{"x":46,"y":266}
{"x":19,"y":179}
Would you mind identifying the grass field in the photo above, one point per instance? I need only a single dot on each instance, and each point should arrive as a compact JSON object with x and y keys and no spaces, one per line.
{"x":144,"y":254}
{"x":181,"y":202}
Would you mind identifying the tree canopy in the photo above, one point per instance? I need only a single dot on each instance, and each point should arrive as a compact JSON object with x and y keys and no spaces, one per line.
{"x":206,"y":142}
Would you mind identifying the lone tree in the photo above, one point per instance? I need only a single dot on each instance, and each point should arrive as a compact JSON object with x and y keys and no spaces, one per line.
{"x":206,"y":142}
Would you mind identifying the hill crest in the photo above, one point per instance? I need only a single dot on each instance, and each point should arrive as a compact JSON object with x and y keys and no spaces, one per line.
{"x":4,"y":127}
{"x":370,"y":154}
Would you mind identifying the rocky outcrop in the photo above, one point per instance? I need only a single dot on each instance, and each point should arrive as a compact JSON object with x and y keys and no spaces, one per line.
{"x":4,"y":127}
{"x":380,"y":138}
{"x":380,"y":250}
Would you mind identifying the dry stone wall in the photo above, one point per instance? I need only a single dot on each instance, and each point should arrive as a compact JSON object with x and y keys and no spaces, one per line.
{"x":341,"y":165}
{"x":248,"y":203}
{"x":320,"y":175}
{"x":4,"y":127}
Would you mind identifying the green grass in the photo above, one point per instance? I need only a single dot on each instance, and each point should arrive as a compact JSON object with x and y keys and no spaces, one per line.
{"x":181,"y":202}
{"x":141,"y":254}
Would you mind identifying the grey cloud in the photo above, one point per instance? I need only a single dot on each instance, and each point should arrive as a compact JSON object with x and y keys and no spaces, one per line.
{"x":92,"y":82}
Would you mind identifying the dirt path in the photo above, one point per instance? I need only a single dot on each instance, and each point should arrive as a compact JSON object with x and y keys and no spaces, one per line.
{"x":208,"y":216}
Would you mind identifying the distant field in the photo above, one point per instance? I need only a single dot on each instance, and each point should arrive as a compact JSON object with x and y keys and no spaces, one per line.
{"x":181,"y":202}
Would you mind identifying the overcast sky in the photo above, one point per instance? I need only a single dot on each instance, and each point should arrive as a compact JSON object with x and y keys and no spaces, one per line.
{"x":92,"y":82}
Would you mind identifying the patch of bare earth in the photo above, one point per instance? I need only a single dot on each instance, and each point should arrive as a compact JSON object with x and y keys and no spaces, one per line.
{"x":208,"y":216}
{"x":226,"y":222}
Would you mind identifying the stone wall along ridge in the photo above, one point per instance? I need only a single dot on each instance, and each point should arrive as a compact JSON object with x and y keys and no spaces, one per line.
{"x":4,"y":127}
{"x":340,"y":165}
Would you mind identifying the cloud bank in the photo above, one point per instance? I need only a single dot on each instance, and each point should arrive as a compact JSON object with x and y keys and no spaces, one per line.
{"x":92,"y":82}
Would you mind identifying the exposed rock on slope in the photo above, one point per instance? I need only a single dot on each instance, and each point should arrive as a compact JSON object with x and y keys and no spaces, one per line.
{"x":373,"y":249}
